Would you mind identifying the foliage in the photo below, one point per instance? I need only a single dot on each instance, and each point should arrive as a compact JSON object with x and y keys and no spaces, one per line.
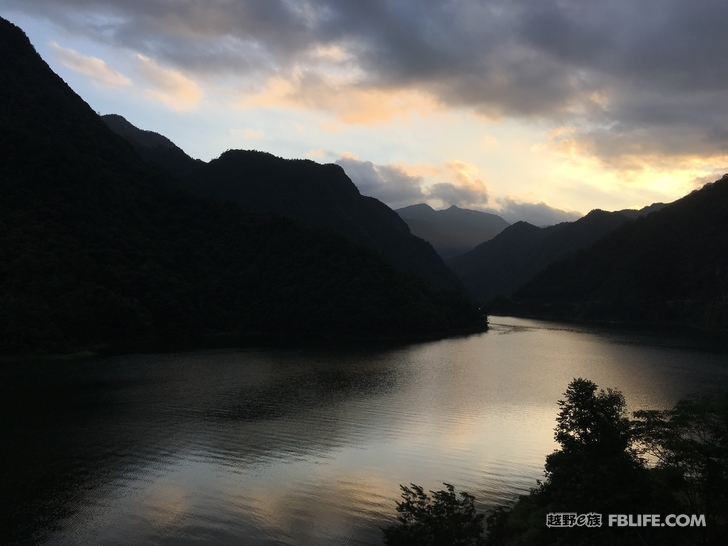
{"x":443,"y":519}
{"x":594,"y":433}
{"x":600,"y":468}
{"x":690,"y":444}
{"x":591,"y":423}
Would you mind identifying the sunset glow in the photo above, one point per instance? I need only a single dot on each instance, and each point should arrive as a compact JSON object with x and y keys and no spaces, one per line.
{"x":505,"y":107}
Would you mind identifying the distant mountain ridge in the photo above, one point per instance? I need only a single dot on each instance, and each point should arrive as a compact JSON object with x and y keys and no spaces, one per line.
{"x":452,"y":231}
{"x":634,"y":213}
{"x":319,"y":196}
{"x":669,"y":267}
{"x":499,"y":267}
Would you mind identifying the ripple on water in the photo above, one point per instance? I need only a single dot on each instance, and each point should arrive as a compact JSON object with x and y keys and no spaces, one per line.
{"x":308,"y":446}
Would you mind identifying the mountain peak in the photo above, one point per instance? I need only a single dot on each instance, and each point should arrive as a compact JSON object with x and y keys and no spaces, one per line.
{"x":419,"y":208}
{"x":134,"y":261}
{"x":451,"y":231}
{"x":122,"y":127}
{"x":500,"y":266}
{"x":318,"y":196}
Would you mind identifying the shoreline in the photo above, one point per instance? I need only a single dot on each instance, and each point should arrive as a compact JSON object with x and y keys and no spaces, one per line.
{"x":238,"y":341}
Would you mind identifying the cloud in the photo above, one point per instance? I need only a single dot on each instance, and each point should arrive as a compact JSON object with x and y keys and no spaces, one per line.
{"x":701,"y":181}
{"x":171,"y":87}
{"x":639,"y":81}
{"x":96,"y":69}
{"x":538,"y":214}
{"x":343,"y":97}
{"x":398,"y":185}
{"x":465,"y":191}
{"x":388,"y":183}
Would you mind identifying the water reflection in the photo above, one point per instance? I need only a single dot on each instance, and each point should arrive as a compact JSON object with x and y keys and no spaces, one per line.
{"x":304,"y":446}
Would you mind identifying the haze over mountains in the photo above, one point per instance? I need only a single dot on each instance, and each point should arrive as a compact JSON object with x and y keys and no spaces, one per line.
{"x":111,"y":241}
{"x":500,"y":266}
{"x":663,"y":265}
{"x":100,"y":249}
{"x":454,"y":230}
{"x":669,"y":267}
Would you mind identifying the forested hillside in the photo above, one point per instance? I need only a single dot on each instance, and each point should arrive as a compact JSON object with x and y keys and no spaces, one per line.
{"x":500,"y":266}
{"x":318,"y":196}
{"x":670,"y":267}
{"x":98,"y":249}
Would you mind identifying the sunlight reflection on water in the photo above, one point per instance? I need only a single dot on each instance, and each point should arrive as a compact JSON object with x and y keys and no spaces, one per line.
{"x":309,"y":446}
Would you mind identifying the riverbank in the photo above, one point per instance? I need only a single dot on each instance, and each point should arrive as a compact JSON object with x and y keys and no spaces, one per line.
{"x":710,"y":318}
{"x":232,"y":340}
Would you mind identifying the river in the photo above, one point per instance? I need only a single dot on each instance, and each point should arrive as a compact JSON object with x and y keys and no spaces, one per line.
{"x":305,"y":446}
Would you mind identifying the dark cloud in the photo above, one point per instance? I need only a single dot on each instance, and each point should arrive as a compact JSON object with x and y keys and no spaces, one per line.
{"x":632,"y":77}
{"x":393,"y":186}
{"x":387,"y":183}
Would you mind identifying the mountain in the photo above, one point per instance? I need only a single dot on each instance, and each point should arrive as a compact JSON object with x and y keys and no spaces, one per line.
{"x":144,"y":139}
{"x":152,"y":147}
{"x":100,"y":249}
{"x":318,"y":196}
{"x":634,"y":213}
{"x":454,"y":230}
{"x":669,"y":267}
{"x":500,"y":266}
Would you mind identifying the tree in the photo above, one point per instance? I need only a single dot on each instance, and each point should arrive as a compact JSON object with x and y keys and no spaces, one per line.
{"x":445,"y":519}
{"x":598,"y":469}
{"x":595,"y":470}
{"x":591,"y":423}
{"x":690,"y":444}
{"x":596,"y":466}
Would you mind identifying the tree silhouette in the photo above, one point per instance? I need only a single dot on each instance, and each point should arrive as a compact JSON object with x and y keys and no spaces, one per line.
{"x":596,"y":470}
{"x":445,"y":519}
{"x":596,"y":466}
{"x":690,"y":444}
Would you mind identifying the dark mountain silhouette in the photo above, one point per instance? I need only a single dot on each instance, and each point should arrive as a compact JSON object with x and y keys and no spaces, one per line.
{"x":500,"y":266}
{"x":97,"y":248}
{"x":152,"y":147}
{"x":669,"y":267}
{"x":319,"y":196}
{"x":635,"y":213}
{"x":452,"y":231}
{"x":145,"y":139}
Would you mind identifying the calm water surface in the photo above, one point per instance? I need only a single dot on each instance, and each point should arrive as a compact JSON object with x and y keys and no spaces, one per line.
{"x":304,"y":447}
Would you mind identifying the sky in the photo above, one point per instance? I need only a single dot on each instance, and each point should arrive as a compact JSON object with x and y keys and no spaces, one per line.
{"x":536,"y":110}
